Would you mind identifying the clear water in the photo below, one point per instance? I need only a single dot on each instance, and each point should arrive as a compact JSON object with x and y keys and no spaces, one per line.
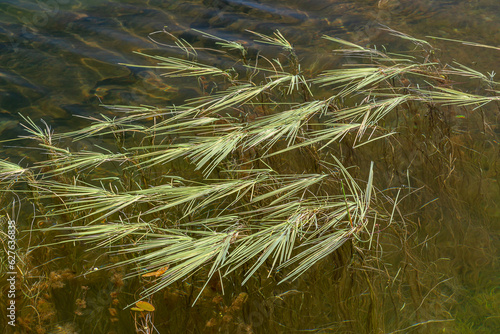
{"x":60,"y":59}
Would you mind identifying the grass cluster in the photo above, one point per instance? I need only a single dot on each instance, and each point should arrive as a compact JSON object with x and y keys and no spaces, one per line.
{"x":268,"y":173}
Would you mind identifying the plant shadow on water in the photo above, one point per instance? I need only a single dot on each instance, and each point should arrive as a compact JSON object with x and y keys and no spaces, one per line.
{"x":361,"y":199}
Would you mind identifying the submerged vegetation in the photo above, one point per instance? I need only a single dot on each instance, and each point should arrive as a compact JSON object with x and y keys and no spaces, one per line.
{"x":274,"y":191}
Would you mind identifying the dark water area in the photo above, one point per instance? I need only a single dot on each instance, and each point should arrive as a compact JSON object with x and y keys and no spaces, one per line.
{"x":61,"y":60}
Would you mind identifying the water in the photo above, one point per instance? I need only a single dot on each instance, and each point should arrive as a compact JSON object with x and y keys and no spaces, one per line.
{"x":60,"y":59}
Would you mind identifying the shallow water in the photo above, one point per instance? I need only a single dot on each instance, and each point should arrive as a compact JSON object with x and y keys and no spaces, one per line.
{"x":60,"y":59}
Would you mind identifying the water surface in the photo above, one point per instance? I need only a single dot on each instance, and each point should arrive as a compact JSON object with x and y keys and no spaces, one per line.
{"x":62,"y":59}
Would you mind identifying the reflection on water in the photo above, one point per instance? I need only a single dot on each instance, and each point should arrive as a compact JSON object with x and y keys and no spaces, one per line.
{"x":60,"y":59}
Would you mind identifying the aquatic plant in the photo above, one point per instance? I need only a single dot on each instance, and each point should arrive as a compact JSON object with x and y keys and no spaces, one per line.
{"x":269,"y":172}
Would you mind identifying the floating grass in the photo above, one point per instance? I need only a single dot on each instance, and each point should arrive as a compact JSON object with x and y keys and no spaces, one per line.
{"x":262,"y":178}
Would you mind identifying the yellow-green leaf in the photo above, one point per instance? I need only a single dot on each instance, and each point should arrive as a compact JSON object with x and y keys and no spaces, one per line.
{"x":145,"y":306}
{"x":137,"y":309}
